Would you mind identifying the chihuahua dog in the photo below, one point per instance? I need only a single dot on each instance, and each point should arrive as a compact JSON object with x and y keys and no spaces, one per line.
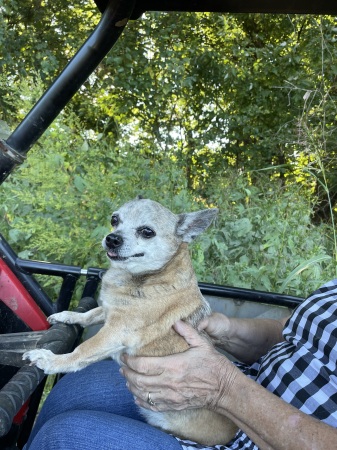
{"x":149,"y":286}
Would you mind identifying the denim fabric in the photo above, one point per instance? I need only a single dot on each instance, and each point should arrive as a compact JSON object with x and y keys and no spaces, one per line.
{"x":92,"y":409}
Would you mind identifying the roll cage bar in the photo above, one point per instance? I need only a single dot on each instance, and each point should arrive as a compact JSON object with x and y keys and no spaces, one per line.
{"x":231,"y":6}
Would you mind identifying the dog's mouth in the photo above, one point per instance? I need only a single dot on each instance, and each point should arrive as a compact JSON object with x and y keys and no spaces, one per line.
{"x":115,"y":257}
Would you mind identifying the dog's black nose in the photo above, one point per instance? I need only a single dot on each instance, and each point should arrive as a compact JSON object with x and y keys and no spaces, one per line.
{"x":113,"y":240}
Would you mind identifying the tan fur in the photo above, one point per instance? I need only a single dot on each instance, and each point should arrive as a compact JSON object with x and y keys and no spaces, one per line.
{"x":138,"y":311}
{"x":152,"y":304}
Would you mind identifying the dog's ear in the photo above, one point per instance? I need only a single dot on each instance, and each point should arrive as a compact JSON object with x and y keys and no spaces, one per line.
{"x":190,"y":225}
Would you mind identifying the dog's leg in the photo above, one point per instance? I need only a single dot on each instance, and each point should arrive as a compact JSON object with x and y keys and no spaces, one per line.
{"x":104,"y":344}
{"x":93,"y":317}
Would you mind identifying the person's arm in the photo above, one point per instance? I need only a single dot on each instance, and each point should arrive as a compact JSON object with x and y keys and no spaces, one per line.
{"x":271,"y":423}
{"x":201,"y":377}
{"x":245,"y":339}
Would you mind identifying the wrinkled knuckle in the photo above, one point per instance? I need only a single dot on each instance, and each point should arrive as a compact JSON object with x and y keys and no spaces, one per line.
{"x":143,"y":368}
{"x":138,"y":383}
{"x":139,"y":366}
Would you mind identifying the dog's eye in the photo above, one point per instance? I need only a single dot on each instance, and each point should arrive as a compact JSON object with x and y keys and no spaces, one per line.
{"x":114,"y":221}
{"x":146,"y":232}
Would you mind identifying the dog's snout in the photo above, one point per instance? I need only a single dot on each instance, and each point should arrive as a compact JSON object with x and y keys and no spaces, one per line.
{"x":113,"y":240}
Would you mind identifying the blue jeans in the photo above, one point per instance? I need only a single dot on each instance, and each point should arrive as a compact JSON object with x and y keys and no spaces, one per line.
{"x":93,"y":409}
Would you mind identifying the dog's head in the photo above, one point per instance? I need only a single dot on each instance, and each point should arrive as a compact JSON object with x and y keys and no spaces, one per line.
{"x":146,"y":235}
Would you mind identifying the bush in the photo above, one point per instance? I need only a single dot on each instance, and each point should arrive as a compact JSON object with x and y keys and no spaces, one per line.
{"x":264,"y":238}
{"x":57,"y":207}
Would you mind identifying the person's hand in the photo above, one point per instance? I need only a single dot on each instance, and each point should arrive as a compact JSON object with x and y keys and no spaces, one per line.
{"x":217,"y":326}
{"x":196,"y":378}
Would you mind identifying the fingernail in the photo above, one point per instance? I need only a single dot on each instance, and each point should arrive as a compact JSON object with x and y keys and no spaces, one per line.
{"x":121,"y":371}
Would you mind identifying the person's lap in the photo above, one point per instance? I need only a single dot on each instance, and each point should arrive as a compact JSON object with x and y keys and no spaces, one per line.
{"x":92,"y":408}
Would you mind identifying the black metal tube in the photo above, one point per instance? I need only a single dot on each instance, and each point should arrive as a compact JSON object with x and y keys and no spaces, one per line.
{"x":269,"y":298}
{"x":91,"y":285}
{"x":46,"y":268}
{"x":96,"y":274}
{"x":237,"y":6}
{"x":233,"y":6}
{"x":66,"y":293}
{"x":77,"y":71}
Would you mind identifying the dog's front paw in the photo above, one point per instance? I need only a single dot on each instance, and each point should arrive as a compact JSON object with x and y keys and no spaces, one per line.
{"x":43,"y":359}
{"x":62,"y":317}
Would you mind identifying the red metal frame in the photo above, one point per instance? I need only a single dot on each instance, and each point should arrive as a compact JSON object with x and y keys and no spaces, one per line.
{"x":16,"y":297}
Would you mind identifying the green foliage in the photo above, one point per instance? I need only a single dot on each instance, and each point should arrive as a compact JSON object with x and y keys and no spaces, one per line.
{"x":229,"y":93}
{"x":37,"y":39}
{"x":190,"y":110}
{"x":216,"y":91}
{"x":58,"y":204}
{"x":41,"y":35}
{"x":264,"y":238}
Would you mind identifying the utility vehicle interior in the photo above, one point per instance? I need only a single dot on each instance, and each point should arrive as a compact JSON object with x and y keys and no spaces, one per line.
{"x":24,"y":305}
